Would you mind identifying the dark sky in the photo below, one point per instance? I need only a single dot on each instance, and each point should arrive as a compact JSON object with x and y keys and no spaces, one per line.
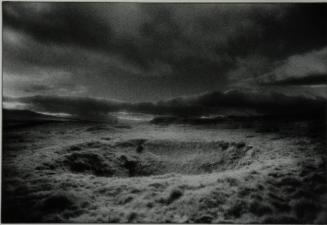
{"x":149,"y":52}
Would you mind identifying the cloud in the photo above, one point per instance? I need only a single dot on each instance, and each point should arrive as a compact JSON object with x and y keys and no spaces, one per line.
{"x":315,"y":79}
{"x":310,"y":67}
{"x":305,"y":69}
{"x":229,"y":103}
{"x":262,"y":102}
{"x":248,"y":70}
{"x":156,"y":50}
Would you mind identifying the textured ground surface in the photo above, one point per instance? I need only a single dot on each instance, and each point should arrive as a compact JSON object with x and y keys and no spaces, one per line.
{"x":84,"y":172}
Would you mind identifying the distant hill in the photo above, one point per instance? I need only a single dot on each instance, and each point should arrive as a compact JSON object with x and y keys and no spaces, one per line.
{"x":14,"y":118}
{"x":243,"y":119}
{"x":27,"y":115}
{"x":23,"y":118}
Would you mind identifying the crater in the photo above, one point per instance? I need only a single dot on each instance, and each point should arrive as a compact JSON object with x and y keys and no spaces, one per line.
{"x":140,"y":157}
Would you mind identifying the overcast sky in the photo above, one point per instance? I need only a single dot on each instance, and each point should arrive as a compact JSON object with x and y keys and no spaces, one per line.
{"x":148,"y":52}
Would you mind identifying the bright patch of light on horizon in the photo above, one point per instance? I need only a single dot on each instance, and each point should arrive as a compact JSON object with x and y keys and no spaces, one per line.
{"x":56,"y":114}
{"x":14,"y":105}
{"x":212,"y":116}
{"x":137,"y":117}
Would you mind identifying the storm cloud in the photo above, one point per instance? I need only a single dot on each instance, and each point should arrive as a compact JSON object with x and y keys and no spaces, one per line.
{"x":146,"y":52}
{"x":233,"y":102}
